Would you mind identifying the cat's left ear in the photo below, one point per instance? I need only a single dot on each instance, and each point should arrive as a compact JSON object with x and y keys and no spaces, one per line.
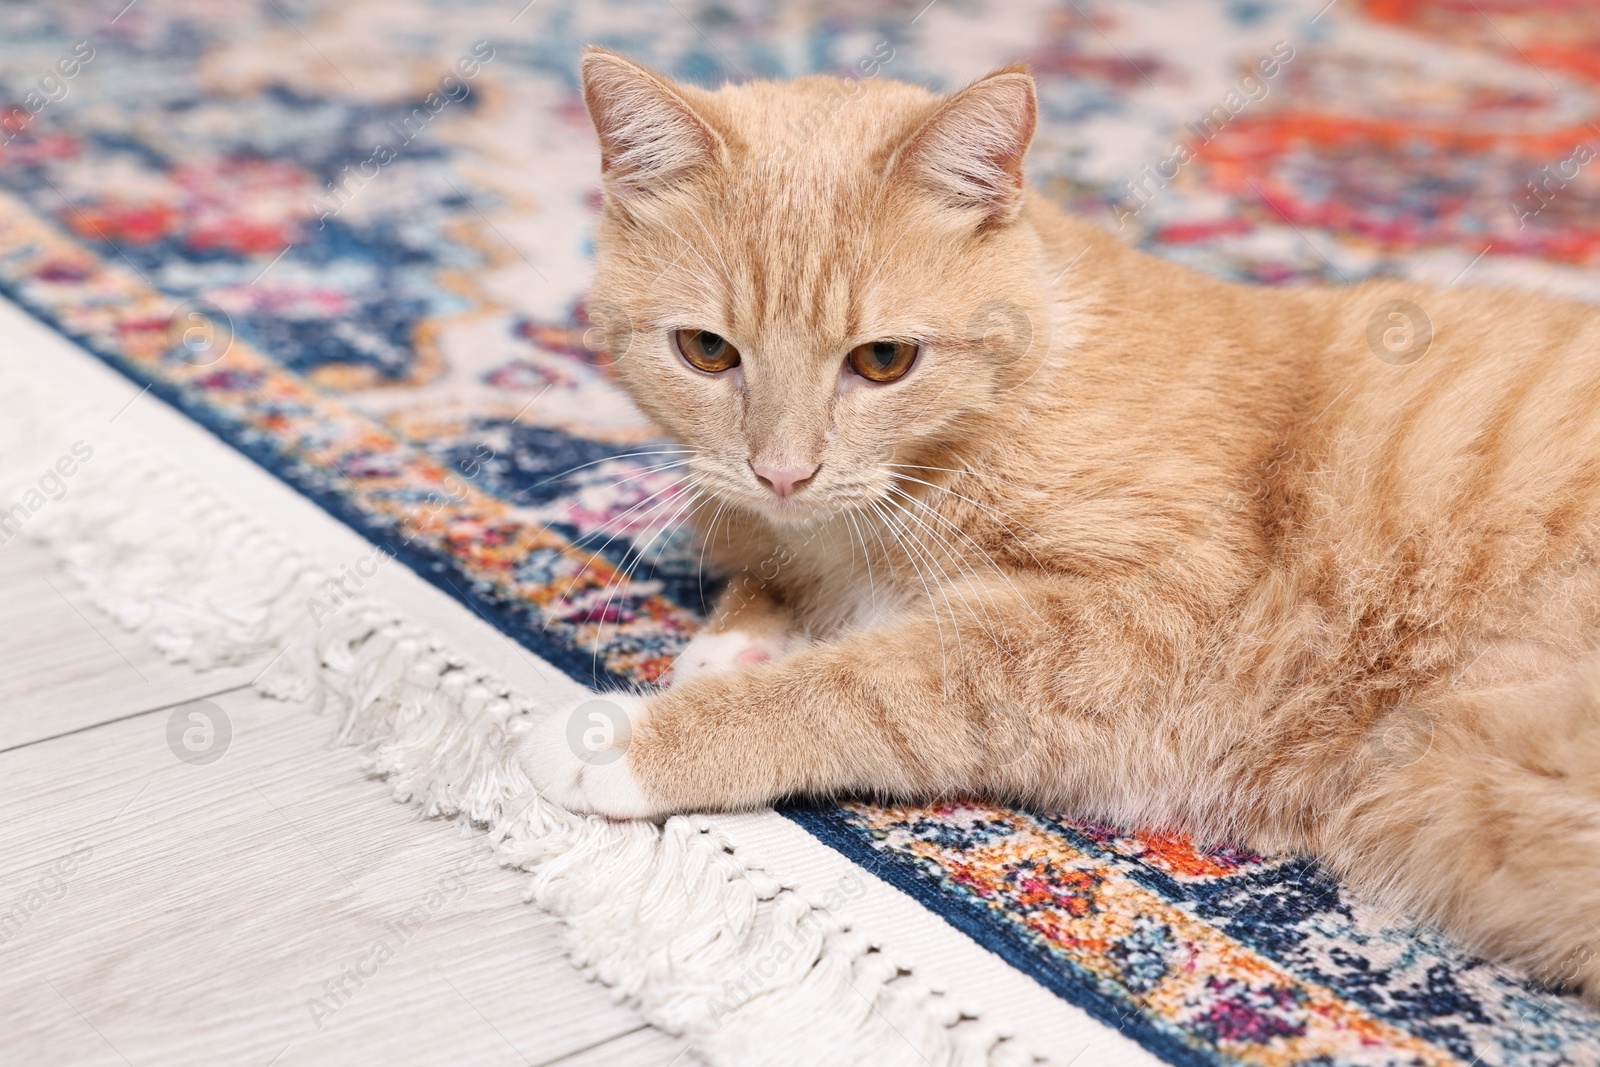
{"x":651,"y":137}
{"x":970,"y":151}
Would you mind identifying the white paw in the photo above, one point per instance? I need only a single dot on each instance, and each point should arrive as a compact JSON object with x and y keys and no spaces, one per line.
{"x":718,"y":653}
{"x":577,"y":756}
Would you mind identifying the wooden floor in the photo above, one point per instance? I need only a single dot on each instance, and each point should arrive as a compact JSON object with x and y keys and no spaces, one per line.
{"x":272,"y":906}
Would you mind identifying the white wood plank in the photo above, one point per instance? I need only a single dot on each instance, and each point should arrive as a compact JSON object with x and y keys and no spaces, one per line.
{"x":645,"y":1047}
{"x":153,"y":911}
{"x":64,"y":665}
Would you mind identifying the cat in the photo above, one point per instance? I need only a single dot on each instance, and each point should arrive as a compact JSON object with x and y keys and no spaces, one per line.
{"x":1014,"y":511}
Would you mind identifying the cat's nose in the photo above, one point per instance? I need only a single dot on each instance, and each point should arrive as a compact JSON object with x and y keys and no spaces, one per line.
{"x":783,"y":480}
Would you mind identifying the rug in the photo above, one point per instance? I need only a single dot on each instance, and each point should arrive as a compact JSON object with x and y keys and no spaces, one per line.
{"x":350,"y":239}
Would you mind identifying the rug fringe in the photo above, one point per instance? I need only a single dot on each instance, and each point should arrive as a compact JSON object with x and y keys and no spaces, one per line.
{"x":751,"y":972}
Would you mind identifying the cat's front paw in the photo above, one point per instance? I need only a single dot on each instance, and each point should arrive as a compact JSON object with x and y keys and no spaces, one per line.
{"x":726,"y":650}
{"x":577,"y":756}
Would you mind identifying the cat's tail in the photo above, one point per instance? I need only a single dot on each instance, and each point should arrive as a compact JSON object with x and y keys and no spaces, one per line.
{"x":1480,"y":811}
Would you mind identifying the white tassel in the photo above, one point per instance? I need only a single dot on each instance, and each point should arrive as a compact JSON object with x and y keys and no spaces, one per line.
{"x":668,"y":916}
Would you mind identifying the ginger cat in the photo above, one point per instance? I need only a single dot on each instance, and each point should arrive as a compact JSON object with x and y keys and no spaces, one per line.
{"x":1015,"y":511}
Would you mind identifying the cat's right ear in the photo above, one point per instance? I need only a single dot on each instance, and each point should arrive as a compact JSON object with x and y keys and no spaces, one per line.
{"x":970,"y":152}
{"x":650,"y":137}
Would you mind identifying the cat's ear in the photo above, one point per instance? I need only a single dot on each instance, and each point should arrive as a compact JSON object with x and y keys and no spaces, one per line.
{"x":650,"y":136}
{"x":969,"y":153}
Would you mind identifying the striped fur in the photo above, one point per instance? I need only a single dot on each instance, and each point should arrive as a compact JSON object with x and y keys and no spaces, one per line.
{"x":1236,"y":575}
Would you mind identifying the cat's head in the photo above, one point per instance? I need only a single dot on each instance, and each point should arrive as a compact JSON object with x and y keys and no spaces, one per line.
{"x":822,"y":281}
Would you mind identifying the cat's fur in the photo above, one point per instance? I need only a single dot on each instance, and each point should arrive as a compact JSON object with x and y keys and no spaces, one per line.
{"x":1159,"y":550}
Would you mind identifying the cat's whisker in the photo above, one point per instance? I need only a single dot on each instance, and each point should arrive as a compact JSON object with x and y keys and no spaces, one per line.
{"x":990,"y":618}
{"x":597,"y":553}
{"x":705,"y":542}
{"x":866,"y":555}
{"x":716,"y":246}
{"x":874,"y":525}
{"x":962,"y":565}
{"x":861,"y":245}
{"x":645,"y":473}
{"x":884,"y":520}
{"x":645,"y":519}
{"x":999,"y":570}
{"x":705,"y":288}
{"x":949,"y":582}
{"x":672,"y":524}
{"x":945,"y":522}
{"x":908,"y":545}
{"x":618,"y":518}
{"x":640,"y":552}
{"x":623,"y":515}
{"x":596,"y":462}
{"x":621,"y":579}
{"x":689,"y":246}
{"x":867,"y":286}
{"x":851,"y":538}
{"x":957,"y":470}
{"x":987,"y":509}
{"x":999,"y":516}
{"x":688,"y":488}
{"x":726,"y":274}
{"x":666,"y":264}
{"x":914,"y":544}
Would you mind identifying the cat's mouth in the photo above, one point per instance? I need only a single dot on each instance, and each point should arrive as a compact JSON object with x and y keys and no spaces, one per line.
{"x":793,"y":509}
{"x":788,"y":493}
{"x":801,"y":502}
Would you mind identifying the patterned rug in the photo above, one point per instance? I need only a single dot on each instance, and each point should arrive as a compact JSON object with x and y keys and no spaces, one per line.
{"x":351,"y":238}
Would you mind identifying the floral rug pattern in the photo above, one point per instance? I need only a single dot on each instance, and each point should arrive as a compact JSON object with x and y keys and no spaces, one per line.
{"x":352,"y":240}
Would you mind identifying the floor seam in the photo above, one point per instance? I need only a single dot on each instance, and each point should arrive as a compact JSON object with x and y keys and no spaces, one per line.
{"x":125,"y":718}
{"x":565,"y":1057}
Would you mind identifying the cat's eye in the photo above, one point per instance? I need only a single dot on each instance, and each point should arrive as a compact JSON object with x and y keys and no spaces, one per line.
{"x":882,"y":361}
{"x":704,"y":350}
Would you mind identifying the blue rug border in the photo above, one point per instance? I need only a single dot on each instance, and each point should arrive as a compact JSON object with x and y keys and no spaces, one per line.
{"x":446,"y":575}
{"x":833,"y":829}
{"x":438,"y":570}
